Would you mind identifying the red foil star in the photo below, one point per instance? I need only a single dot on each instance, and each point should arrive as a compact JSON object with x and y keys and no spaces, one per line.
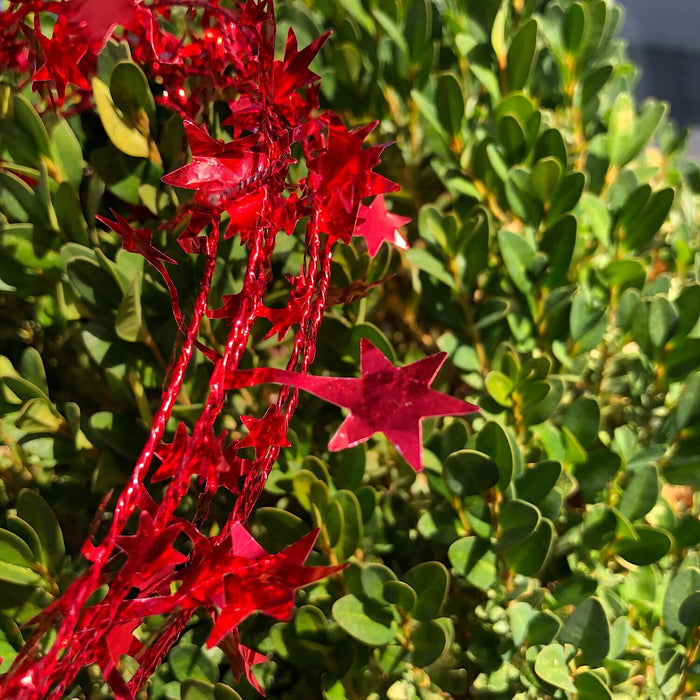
{"x":387,"y":399}
{"x":264,"y":433}
{"x":378,"y":225}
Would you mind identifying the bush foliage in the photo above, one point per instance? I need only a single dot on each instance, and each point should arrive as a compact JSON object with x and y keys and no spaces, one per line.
{"x":550,"y":547}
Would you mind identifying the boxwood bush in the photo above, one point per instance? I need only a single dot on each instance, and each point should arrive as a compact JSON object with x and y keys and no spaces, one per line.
{"x":550,"y":547}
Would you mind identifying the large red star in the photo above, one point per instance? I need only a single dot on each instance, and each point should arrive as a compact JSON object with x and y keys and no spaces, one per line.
{"x":380,"y":225}
{"x":388,"y":399}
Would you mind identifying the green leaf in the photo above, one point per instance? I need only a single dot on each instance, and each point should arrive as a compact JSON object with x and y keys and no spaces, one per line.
{"x":494,"y":441}
{"x":26,"y":533}
{"x":649,"y":220}
{"x":34,"y":510}
{"x":550,"y":666}
{"x":474,"y":559}
{"x":468,"y":473}
{"x":640,"y":493}
{"x":364,"y":619}
{"x":689,"y":612}
{"x":688,"y":407}
{"x":423,"y":260}
{"x":373,"y":578}
{"x":582,"y":418}
{"x":566,"y":195}
{"x":518,"y":520}
{"x":400,"y":594}
{"x":529,"y":556}
{"x":624,"y":273}
{"x":352,"y":524}
{"x":535,"y":483}
{"x":499,"y":387}
{"x":521,"y":55}
{"x":357,"y":12}
{"x":14,"y":550}
{"x":32,"y":369}
{"x":589,"y":686}
{"x":544,"y":178}
{"x":652,"y":544}
{"x":128,"y":87}
{"x":498,"y":33}
{"x":450,"y":103}
{"x":588,"y":630}
{"x":688,"y":305}
{"x":542,"y":628}
{"x":663,"y":320}
{"x":126,"y":137}
{"x":26,"y":117}
{"x":518,"y":257}
{"x":18,"y":575}
{"x":682,"y":585}
{"x":188,"y":661}
{"x":573,"y":28}
{"x":627,"y":134}
{"x":559,"y":242}
{"x":430,"y":581}
{"x":592,"y":84}
{"x":429,"y":641}
{"x":551,"y":145}
{"x":196,"y":690}
{"x":66,"y":151}
{"x":274,"y":527}
{"x":129,"y":323}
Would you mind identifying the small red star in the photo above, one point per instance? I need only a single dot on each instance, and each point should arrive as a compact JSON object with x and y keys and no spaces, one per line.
{"x":61,"y":59}
{"x":263,"y":433}
{"x":380,"y":225}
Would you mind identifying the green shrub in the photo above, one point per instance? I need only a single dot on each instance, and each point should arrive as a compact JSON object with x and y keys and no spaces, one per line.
{"x":550,"y":547}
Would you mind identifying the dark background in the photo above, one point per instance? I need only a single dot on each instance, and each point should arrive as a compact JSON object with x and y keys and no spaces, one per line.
{"x":664,"y":40}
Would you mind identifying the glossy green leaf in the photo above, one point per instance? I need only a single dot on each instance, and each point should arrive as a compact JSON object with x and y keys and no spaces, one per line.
{"x":468,"y":472}
{"x":474,"y":559}
{"x":189,"y":661}
{"x":683,"y":584}
{"x":34,"y":510}
{"x":588,"y":630}
{"x":365,"y":620}
{"x":640,"y":493}
{"x":518,"y":520}
{"x":429,"y":643}
{"x":521,"y":55}
{"x":430,"y":581}
{"x":550,"y":666}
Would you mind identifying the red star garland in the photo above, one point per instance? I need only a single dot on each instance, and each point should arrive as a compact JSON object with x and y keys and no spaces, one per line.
{"x":388,"y":399}
{"x":228,"y":574}
{"x":378,"y":225}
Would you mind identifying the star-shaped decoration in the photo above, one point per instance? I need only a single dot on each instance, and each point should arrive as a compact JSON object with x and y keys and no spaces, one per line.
{"x":342,"y":175}
{"x":61,"y":59}
{"x":264,"y":582}
{"x":97,"y":19}
{"x":387,"y":399}
{"x":264,"y":433}
{"x":378,"y":225}
{"x":136,"y":240}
